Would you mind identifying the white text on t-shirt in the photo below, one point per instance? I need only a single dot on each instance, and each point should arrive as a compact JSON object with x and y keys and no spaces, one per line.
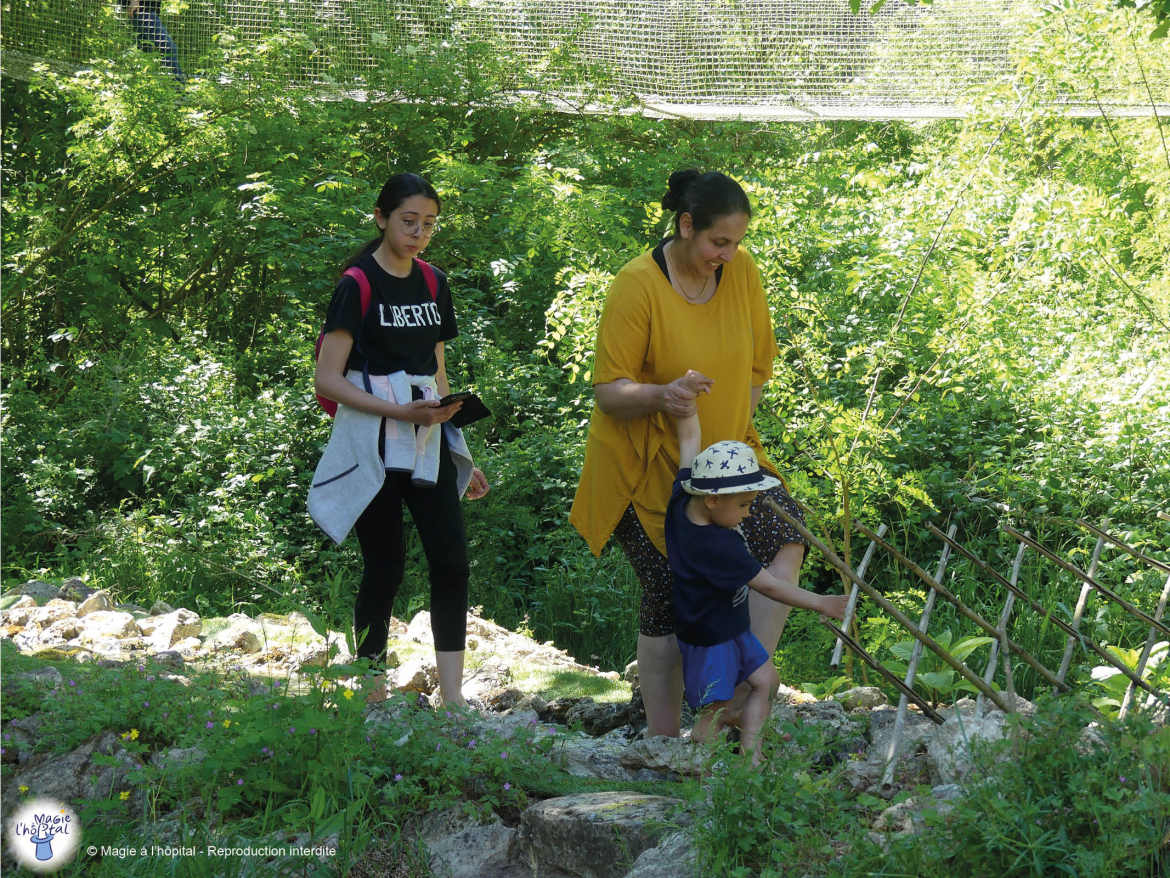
{"x":426,"y":314}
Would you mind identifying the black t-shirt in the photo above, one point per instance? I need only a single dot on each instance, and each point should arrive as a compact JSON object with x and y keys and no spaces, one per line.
{"x":403,"y":325}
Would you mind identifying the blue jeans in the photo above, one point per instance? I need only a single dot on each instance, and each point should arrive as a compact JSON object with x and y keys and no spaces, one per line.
{"x":151,"y":34}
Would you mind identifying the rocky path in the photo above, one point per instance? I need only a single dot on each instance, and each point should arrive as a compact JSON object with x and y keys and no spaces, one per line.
{"x":611,"y":834}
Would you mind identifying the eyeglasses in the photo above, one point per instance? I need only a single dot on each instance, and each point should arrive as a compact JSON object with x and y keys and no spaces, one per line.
{"x":414,"y":227}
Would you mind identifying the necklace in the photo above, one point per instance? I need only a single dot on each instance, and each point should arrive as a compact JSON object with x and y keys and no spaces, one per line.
{"x":678,"y":277}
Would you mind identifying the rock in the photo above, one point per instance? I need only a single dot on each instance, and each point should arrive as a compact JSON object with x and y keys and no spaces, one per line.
{"x":188,"y":648}
{"x":161,"y":608}
{"x":630,"y":674}
{"x":236,"y":639}
{"x":53,"y":611}
{"x":40,"y":591}
{"x":103,"y":625}
{"x":97,"y":602}
{"x":599,"y":718}
{"x":950,"y":748}
{"x":163,"y":632}
{"x":593,"y":835}
{"x":917,"y":730}
{"x":61,"y":631}
{"x":18,"y":610}
{"x":75,"y":590}
{"x":674,"y":857}
{"x":504,"y":727}
{"x":48,"y":678}
{"x":502,"y":700}
{"x":168,"y":658}
{"x":867,"y":697}
{"x":79,"y":775}
{"x":674,"y":756}
{"x":458,"y":849}
{"x":178,"y":756}
{"x":417,"y":674}
{"x":584,"y":756}
{"x":788,"y":695}
{"x":320,"y":656}
{"x":419,"y":629}
{"x":909,"y":817}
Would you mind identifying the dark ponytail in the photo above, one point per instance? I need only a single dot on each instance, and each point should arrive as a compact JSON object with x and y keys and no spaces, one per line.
{"x":397,"y":189}
{"x":706,"y":197}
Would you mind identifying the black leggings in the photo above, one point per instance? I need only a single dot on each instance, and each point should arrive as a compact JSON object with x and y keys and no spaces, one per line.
{"x":439,"y":520}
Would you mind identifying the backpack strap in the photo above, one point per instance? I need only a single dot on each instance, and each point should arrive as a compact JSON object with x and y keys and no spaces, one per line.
{"x":429,"y":276}
{"x":363,"y":283}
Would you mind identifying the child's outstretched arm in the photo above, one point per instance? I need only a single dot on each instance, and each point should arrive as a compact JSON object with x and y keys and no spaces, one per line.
{"x":787,"y":593}
{"x":690,"y":434}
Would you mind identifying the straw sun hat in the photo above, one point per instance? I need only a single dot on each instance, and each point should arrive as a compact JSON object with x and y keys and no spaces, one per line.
{"x":727,"y":468}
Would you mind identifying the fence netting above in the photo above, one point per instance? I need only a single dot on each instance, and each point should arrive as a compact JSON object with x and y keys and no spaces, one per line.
{"x":697,"y":58}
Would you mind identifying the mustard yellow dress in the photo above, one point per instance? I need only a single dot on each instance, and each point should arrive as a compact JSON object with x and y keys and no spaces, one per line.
{"x":652,"y":335}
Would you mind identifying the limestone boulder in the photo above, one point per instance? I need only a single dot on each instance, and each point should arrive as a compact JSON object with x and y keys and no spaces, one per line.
{"x":594,"y":835}
{"x":98,"y":602}
{"x":909,"y":817}
{"x":19,"y":611}
{"x":79,"y":774}
{"x":40,"y":591}
{"x":163,"y":632}
{"x":76,"y":590}
{"x":674,"y":857}
{"x":670,"y":756}
{"x":417,"y":674}
{"x":861,"y":698}
{"x":951,"y":748}
{"x":54,"y":611}
{"x":103,"y":625}
{"x":457,"y":848}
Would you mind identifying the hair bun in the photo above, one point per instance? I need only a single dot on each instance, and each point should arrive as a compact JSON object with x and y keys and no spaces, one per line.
{"x":676,"y":188}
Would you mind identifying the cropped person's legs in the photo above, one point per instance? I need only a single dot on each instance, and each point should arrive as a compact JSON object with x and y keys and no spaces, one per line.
{"x":762,"y":684}
{"x":659,"y":661}
{"x":151,"y":35}
{"x":780,"y":548}
{"x":711,"y":719}
{"x":439,"y":519}
{"x":379,"y":533}
{"x":661,"y":681}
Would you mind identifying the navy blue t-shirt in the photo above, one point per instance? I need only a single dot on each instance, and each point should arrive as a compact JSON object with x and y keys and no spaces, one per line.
{"x":712,"y":568}
{"x":403,"y":325}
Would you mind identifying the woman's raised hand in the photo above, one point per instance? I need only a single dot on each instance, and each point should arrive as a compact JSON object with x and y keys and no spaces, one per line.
{"x":679,"y":396}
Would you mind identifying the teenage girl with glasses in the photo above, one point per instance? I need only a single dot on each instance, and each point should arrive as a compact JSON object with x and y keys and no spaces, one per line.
{"x":391,"y":443}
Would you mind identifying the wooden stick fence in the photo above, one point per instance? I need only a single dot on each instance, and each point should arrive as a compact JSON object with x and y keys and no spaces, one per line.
{"x":1002,"y":646}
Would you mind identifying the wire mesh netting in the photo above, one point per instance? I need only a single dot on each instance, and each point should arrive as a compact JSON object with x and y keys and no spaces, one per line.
{"x":699,"y":58}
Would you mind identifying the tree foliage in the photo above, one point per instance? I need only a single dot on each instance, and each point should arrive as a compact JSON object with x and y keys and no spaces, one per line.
{"x":969,"y":314}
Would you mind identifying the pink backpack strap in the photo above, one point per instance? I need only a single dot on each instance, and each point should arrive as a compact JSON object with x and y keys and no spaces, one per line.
{"x":363,"y":283}
{"x":429,"y":276}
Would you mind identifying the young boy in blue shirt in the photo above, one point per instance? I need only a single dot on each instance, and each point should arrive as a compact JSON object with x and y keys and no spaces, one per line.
{"x":713,"y":571}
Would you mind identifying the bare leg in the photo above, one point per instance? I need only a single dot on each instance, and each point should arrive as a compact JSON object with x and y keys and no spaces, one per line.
{"x":710,"y":721}
{"x":660,"y":676}
{"x":758,"y":704}
{"x":769,"y":616}
{"x":450,"y":666}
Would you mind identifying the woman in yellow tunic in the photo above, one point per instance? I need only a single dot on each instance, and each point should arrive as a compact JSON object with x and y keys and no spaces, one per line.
{"x":694,"y":303}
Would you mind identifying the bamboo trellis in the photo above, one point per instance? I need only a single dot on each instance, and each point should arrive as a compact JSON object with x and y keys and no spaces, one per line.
{"x":1002,"y":646}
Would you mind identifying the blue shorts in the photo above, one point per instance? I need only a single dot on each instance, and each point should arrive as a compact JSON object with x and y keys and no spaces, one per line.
{"x":711,"y":673}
